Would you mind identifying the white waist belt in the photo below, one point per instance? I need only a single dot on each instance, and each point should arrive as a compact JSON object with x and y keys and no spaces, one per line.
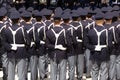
{"x":99,"y":47}
{"x":18,"y":45}
{"x":79,"y":40}
{"x":102,"y":46}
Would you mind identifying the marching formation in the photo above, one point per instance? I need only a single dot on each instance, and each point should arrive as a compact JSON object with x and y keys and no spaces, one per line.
{"x":78,"y":39}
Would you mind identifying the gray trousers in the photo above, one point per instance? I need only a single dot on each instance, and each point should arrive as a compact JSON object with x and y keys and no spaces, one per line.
{"x":5,"y":65}
{"x":33,"y":67}
{"x":21,"y":68}
{"x":99,"y":70}
{"x":112,"y":67}
{"x":79,"y":65}
{"x":88,"y":62}
{"x":118,"y":67}
{"x":58,"y":70}
{"x":41,"y":66}
{"x":71,"y":65}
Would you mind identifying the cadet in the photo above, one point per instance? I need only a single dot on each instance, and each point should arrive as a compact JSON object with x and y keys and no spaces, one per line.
{"x":90,"y":24}
{"x":116,"y":24}
{"x":84,"y":24}
{"x":48,"y":25}
{"x":15,"y":42}
{"x":48,"y":22}
{"x":108,"y":25}
{"x":3,"y":53}
{"x":72,"y":41}
{"x":41,"y":49}
{"x":79,"y":47}
{"x":118,"y":54}
{"x":57,"y":44}
{"x":98,"y":40}
{"x":31,"y":31}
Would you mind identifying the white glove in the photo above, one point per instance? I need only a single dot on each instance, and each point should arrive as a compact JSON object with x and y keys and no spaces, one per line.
{"x":32,"y":43}
{"x":60,"y":47}
{"x":14,"y":47}
{"x":97,"y":48}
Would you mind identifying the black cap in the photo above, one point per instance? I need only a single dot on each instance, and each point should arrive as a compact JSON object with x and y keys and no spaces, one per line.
{"x":116,"y":8}
{"x":115,"y":14}
{"x":97,"y":10}
{"x":108,"y":15}
{"x":48,"y":12}
{"x":104,"y":9}
{"x":22,"y":9}
{"x":14,"y":15}
{"x":119,"y":13}
{"x":43,"y":10}
{"x":3,"y":11}
{"x":99,"y":16}
{"x":37,"y":13}
{"x":83,"y":13}
{"x":66,"y":15}
{"x":80,"y":9}
{"x":26,"y":14}
{"x":57,"y":16}
{"x":12,"y":9}
{"x":30,"y":9}
{"x":109,"y":8}
{"x":58,"y":11}
{"x":67,"y":10}
{"x":91,"y":12}
{"x":87,"y":8}
{"x":75,"y":13}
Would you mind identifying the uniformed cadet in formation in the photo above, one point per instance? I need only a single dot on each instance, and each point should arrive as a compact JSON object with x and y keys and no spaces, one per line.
{"x":79,"y":40}
{"x":2,"y":51}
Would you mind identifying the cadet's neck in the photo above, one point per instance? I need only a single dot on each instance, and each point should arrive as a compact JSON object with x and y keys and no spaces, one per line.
{"x":99,"y":22}
{"x":57,"y":25}
{"x":108,"y":21}
{"x":28,"y":22}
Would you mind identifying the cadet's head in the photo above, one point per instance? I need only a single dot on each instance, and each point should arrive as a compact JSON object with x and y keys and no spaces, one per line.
{"x":75,"y":16}
{"x":108,"y":17}
{"x":104,"y":9}
{"x":115,"y":8}
{"x":99,"y":18}
{"x":37,"y":15}
{"x":66,"y":17}
{"x":30,"y":9}
{"x":26,"y":16}
{"x":48,"y":14}
{"x":115,"y":16}
{"x":57,"y":15}
{"x":83,"y":15}
{"x":15,"y":17}
{"x":57,"y":19}
{"x":22,"y":9}
{"x":90,"y":13}
{"x":3,"y":13}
